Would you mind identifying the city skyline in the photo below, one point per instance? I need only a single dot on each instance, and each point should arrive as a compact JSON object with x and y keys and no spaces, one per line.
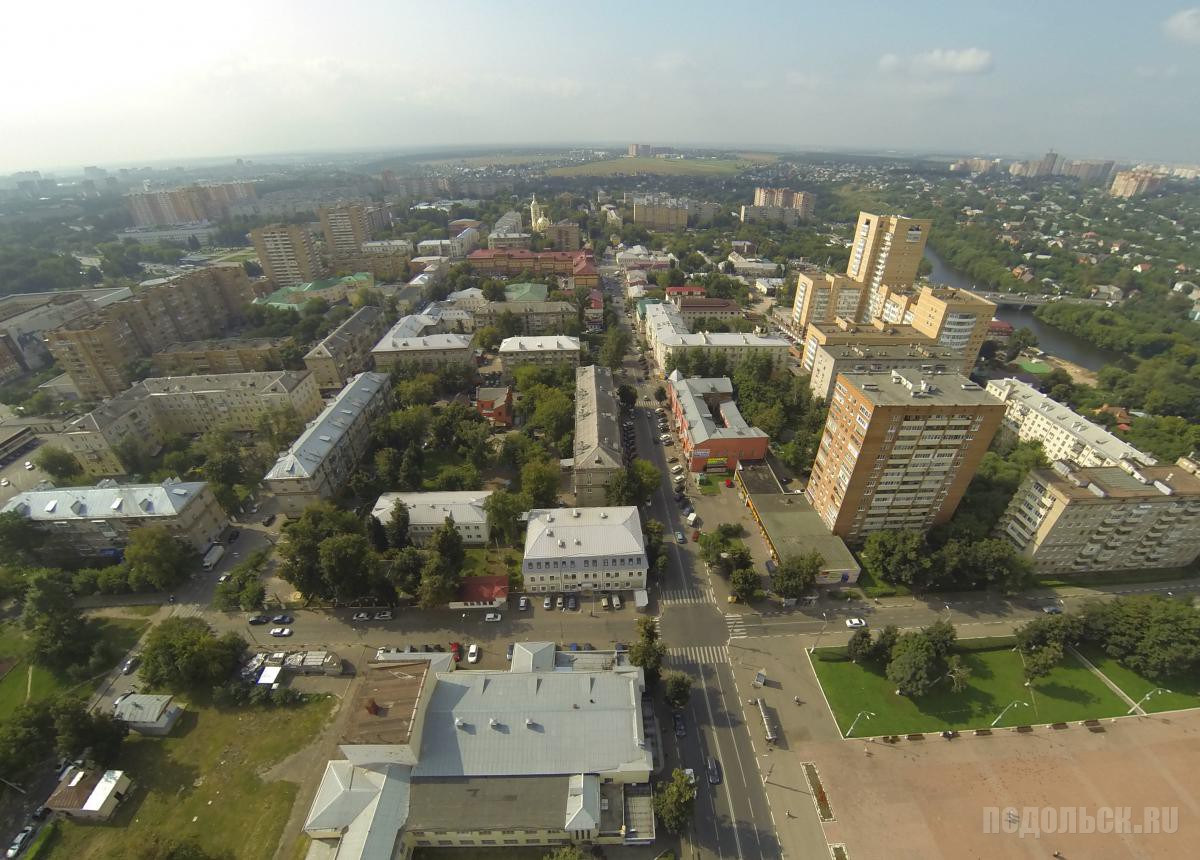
{"x":148,"y":85}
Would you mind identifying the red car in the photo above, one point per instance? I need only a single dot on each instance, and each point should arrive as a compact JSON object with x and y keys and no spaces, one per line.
{"x":456,"y":651}
{"x":728,"y":482}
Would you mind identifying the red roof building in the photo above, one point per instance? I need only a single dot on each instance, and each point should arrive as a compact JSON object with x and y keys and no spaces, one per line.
{"x":495,"y":404}
{"x":482,"y":592}
{"x":999,"y":330}
{"x":674,"y":294}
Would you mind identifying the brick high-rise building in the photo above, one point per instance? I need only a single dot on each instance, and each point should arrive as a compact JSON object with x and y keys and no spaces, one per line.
{"x":899,"y":449}
{"x":345,"y":228}
{"x":186,"y":205}
{"x":785,"y":198}
{"x":97,"y":351}
{"x":955,"y":318}
{"x":823,"y":297}
{"x":887,"y":249}
{"x":287,"y":254}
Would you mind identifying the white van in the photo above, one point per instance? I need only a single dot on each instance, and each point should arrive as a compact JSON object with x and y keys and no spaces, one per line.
{"x":692,"y":519}
{"x":616,"y":601}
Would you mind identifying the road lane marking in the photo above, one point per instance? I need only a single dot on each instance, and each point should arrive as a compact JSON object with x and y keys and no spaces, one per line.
{"x":737,"y":839}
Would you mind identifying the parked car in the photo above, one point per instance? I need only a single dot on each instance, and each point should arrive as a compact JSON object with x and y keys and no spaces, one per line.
{"x":234,"y":535}
{"x":4,"y":482}
{"x":695,"y":534}
{"x":383,"y":615}
{"x":1052,"y":610}
{"x":714,"y":771}
{"x":492,"y":616}
{"x":558,"y":601}
{"x":574,"y":646}
{"x":547,"y":603}
{"x":130,"y":664}
{"x":679,"y":538}
{"x":20,"y":841}
{"x":28,"y":466}
{"x":281,"y":631}
{"x":680,"y":725}
{"x":690,"y":774}
{"x":258,"y":619}
{"x":523,"y":603}
{"x":571,"y":604}
{"x":508,"y":652}
{"x":616,"y":601}
{"x":362,"y":616}
{"x":282,"y":619}
{"x":268,"y":520}
{"x":855,"y":623}
{"x":473,"y":653}
{"x":456,"y":651}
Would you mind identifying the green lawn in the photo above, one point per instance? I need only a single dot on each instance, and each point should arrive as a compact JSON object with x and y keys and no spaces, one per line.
{"x":1070,"y":692}
{"x":1037,"y":367}
{"x":660,"y":166}
{"x":202,"y":783}
{"x":482,"y":561}
{"x":1185,"y":692}
{"x":1119,"y":577}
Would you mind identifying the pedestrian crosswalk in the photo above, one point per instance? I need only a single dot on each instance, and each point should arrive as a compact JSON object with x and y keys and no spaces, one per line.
{"x":735,"y":624}
{"x":676,"y":596}
{"x":693,"y":655}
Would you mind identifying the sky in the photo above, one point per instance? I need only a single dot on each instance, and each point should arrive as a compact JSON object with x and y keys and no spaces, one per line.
{"x":135,"y":82}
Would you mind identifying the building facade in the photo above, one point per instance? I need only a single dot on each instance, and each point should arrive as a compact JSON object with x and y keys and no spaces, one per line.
{"x":598,"y":453}
{"x":228,"y":355}
{"x":1069,"y":519}
{"x":1065,"y":435}
{"x":668,"y":335}
{"x":427,"y":512}
{"x":495,"y":404}
{"x":898,"y":450}
{"x":584,"y":549}
{"x":534,"y":317}
{"x":955,"y":318}
{"x":712,"y":432}
{"x":823,"y":297}
{"x":701,"y":308}
{"x":540,"y":351}
{"x":96,"y":522}
{"x":829,"y":361}
{"x":323,"y":457}
{"x":887,"y":249}
{"x":287,"y":254}
{"x":346,"y":350}
{"x":345,"y":229}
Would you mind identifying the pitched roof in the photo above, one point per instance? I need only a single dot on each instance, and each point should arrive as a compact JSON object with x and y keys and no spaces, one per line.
{"x":539,"y":343}
{"x":106,"y":501}
{"x":583,"y":532}
{"x":465,"y":506}
{"x":597,"y":429}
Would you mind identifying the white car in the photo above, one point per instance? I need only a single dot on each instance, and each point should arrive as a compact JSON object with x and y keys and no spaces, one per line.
{"x":4,"y":482}
{"x":19,"y":841}
{"x":523,"y":604}
{"x":473,"y":653}
{"x":362,"y":616}
{"x":29,"y":466}
{"x":384,"y":615}
{"x":855,"y":623}
{"x":281,"y":631}
{"x":492,"y":616}
{"x":547,"y":603}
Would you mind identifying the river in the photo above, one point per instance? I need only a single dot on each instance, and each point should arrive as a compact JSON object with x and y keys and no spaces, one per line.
{"x":1053,"y":340}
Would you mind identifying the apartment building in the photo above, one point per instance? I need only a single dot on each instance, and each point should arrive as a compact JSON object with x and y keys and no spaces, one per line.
{"x":386,"y":259}
{"x":535,"y":317}
{"x":642,"y":259}
{"x":785,"y":216}
{"x":287,"y":253}
{"x":322,"y":458}
{"x":753,"y":267}
{"x":564,"y":236}
{"x":846,"y":332}
{"x":785,"y":198}
{"x":346,"y":350}
{"x":508,"y":233}
{"x":1064,"y":434}
{"x":345,"y":228}
{"x":898,"y":450}
{"x":955,"y":318}
{"x":97,"y":350}
{"x":712,"y":432}
{"x":656,"y":216}
{"x":1134,"y":183}
{"x":823,"y":297}
{"x":515,"y":261}
{"x":829,"y":361}
{"x":887,"y":249}
{"x":222,"y":355}
{"x":667,"y":334}
{"x":1069,"y":519}
{"x":154,"y":408}
{"x":427,"y":512}
{"x":26,"y":317}
{"x":581,"y":549}
{"x":539,"y":350}
{"x":598,"y":454}
{"x":196,"y":203}
{"x":421,"y":339}
{"x":95,"y":522}
{"x":692,"y":309}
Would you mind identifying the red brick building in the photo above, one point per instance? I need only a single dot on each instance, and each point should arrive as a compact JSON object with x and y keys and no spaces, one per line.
{"x":495,"y":404}
{"x":712,"y":432}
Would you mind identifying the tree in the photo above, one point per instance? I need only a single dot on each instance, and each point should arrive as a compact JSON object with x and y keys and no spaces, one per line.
{"x":58,"y":635}
{"x":613,"y":348}
{"x":397,"y":526}
{"x":648,"y":653}
{"x":745,"y":584}
{"x":660,"y":394}
{"x":634,"y":485}
{"x":300,"y":548}
{"x":941,"y":635}
{"x":157,"y":558}
{"x":914,"y":665}
{"x":404,"y":569}
{"x":897,"y":557}
{"x":183,"y":654}
{"x":881,"y":650}
{"x":446,"y":545}
{"x":859,"y":648}
{"x":1040,"y":662}
{"x":78,"y":731}
{"x":59,"y":464}
{"x":627,"y":394}
{"x":504,"y":509}
{"x":674,"y":800}
{"x":539,"y":481}
{"x":26,"y":738}
{"x":797,"y":574}
{"x":436,"y":587}
{"x":487,"y":338}
{"x":350,"y":568}
{"x":19,"y":536}
{"x":678,"y":689}
{"x":377,"y":534}
{"x":958,"y":672}
{"x":565,"y":852}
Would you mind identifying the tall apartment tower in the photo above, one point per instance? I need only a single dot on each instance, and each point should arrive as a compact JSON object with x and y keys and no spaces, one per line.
{"x":887,"y":249}
{"x":345,"y":229}
{"x":899,"y":449}
{"x":955,"y":318}
{"x":822,"y":297}
{"x":287,"y":254}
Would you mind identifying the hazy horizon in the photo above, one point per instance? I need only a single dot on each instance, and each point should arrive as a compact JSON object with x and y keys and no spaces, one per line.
{"x":152,"y":84}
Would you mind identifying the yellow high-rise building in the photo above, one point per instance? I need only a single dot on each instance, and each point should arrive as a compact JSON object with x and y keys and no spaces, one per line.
{"x":887,"y":249}
{"x":345,"y":228}
{"x":287,"y":254}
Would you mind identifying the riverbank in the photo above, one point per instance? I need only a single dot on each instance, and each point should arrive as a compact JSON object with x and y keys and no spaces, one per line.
{"x":1079,"y":374}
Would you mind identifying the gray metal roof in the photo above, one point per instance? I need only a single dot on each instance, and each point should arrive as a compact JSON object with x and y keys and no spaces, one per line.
{"x":691,"y":394}
{"x":533,"y":724}
{"x":323,"y":435}
{"x":465,"y":506}
{"x":597,"y":424}
{"x":141,"y":708}
{"x":491,"y":803}
{"x":106,"y":501}
{"x":539,"y":343}
{"x":583,"y":533}
{"x":338,"y":340}
{"x":367,"y":806}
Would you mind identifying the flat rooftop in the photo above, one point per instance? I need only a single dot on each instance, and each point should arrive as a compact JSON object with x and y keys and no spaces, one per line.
{"x":489,"y":803}
{"x":794,"y":528}
{"x":385,"y":705}
{"x":1156,"y":483}
{"x":913,"y":387}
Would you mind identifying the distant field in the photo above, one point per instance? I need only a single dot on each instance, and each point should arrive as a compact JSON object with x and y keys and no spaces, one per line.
{"x":758,"y":157}
{"x":498,"y":159}
{"x":660,"y":166}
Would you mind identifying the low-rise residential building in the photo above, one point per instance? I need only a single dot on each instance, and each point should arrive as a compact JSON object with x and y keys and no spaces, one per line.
{"x":227,"y":355}
{"x":89,"y":794}
{"x":1064,"y":433}
{"x":535,"y":317}
{"x":148,"y":714}
{"x":581,"y":549}
{"x":428,"y":511}
{"x":540,"y":350}
{"x":332,"y":290}
{"x":514,"y":261}
{"x":712,"y":432}
{"x":829,"y":361}
{"x":495,"y":404}
{"x":753,"y":267}
{"x":676,"y":295}
{"x":700,"y":308}
{"x":639,"y":257}
{"x":422,"y":339}
{"x":667,"y":334}
{"x":346,"y":350}
{"x":322,"y":459}
{"x":509,"y":233}
{"x":154,"y":408}
{"x":95,"y":522}
{"x":598,"y":454}
{"x":1069,"y":519}
{"x":526,"y":292}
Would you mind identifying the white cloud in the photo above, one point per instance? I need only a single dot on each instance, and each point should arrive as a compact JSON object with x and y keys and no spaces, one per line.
{"x":1184,"y":25}
{"x":1163,"y":73}
{"x":671,"y":61}
{"x":940,"y":61}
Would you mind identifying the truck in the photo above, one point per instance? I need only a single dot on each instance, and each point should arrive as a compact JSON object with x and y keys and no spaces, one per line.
{"x":692,"y":519}
{"x":214,"y":555}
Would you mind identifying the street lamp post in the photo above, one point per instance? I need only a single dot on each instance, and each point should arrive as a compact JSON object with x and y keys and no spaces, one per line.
{"x":1157,"y":691}
{"x":947,"y":605}
{"x":813,"y":647}
{"x":1006,"y":709}
{"x":859,"y":716}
